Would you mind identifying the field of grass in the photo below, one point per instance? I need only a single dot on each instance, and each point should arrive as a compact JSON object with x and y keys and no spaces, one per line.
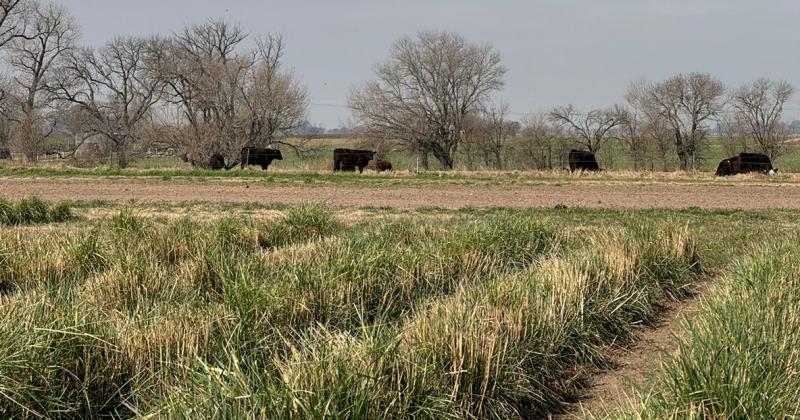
{"x":308,"y":312}
{"x":320,"y":154}
{"x":397,"y":179}
{"x":739,"y":357}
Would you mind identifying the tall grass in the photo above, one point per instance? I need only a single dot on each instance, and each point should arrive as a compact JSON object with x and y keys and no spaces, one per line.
{"x":33,"y":210}
{"x":739,"y":357}
{"x":498,"y":348}
{"x":307,"y":317}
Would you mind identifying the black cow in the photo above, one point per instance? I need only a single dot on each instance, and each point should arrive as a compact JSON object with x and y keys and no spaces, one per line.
{"x":217,"y":162}
{"x":348,"y":160}
{"x":260,"y":156}
{"x":745,"y":163}
{"x":580,"y":160}
{"x":5,"y":154}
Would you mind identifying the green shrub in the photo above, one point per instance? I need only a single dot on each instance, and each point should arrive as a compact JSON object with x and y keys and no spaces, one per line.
{"x":302,"y":223}
{"x":127,"y":221}
{"x":88,"y":254}
{"x":8,"y":214}
{"x":61,"y":212}
{"x":32,"y":210}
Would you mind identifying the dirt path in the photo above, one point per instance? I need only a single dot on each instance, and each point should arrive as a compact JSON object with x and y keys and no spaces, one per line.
{"x":447,"y":196}
{"x":635,"y":364}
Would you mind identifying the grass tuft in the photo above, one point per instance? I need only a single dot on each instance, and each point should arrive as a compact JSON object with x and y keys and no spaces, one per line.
{"x":738,"y":358}
{"x":33,"y":210}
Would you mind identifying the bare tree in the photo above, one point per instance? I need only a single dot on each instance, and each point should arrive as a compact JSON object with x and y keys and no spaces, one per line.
{"x":487,"y":135}
{"x":498,"y":132}
{"x":733,"y":139}
{"x":759,"y":107}
{"x":686,"y":103}
{"x":274,"y":101}
{"x":229,"y":97}
{"x":593,"y":128}
{"x":116,"y":86}
{"x":633,"y":136}
{"x":12,"y":20}
{"x":542,"y":143}
{"x":204,"y":73}
{"x":471,"y":148}
{"x":53,"y":33}
{"x":423,"y":95}
{"x":647,"y":141}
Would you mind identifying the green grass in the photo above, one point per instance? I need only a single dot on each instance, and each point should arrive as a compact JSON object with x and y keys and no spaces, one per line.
{"x":311,"y":313}
{"x":307,"y":315}
{"x":32,"y":210}
{"x":738,"y":358}
{"x":614,"y":157}
{"x":395,"y":180}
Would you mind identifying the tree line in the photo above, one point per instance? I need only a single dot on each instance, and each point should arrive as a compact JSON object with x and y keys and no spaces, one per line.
{"x":202,"y":91}
{"x":434,"y":96}
{"x":199,"y":89}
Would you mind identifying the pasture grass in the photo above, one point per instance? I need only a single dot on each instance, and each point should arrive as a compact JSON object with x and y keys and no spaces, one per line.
{"x":33,"y":210}
{"x":318,"y":158}
{"x":310,"y":314}
{"x":301,"y":178}
{"x":739,"y":357}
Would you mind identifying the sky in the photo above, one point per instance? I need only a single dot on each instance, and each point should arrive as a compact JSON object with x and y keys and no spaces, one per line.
{"x":558,"y":52}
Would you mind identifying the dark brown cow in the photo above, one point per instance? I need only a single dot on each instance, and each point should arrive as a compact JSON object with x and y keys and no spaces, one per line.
{"x":348,"y":160}
{"x":382,"y":165}
{"x":745,"y":163}
{"x":217,"y":162}
{"x":260,"y":156}
{"x":580,"y":160}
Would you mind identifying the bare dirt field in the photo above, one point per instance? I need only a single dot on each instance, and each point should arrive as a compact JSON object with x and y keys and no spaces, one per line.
{"x":617,"y":195}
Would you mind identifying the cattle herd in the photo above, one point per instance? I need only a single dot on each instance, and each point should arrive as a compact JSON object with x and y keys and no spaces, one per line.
{"x":351,"y":160}
{"x":346,"y":160}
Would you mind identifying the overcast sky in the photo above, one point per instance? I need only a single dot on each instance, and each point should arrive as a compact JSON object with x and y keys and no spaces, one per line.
{"x":583,"y":52}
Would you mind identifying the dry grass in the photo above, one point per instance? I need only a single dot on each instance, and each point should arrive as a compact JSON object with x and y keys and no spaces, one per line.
{"x":303,"y":316}
{"x":738,"y":358}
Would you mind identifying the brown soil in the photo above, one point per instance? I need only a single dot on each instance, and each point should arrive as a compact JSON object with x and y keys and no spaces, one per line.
{"x":634,"y":196}
{"x":634,"y":365}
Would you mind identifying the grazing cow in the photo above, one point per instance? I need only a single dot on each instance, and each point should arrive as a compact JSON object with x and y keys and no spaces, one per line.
{"x":382,"y":165}
{"x":348,"y":160}
{"x":5,"y":154}
{"x":580,"y":160}
{"x":745,"y":163}
{"x":217,"y":162}
{"x":260,"y":156}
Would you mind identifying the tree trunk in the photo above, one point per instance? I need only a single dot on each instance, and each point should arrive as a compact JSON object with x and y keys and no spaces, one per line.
{"x":422,"y":158}
{"x":122,"y":156}
{"x":684,"y":156}
{"x":31,"y":157}
{"x":444,"y":158}
{"x":685,"y":160}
